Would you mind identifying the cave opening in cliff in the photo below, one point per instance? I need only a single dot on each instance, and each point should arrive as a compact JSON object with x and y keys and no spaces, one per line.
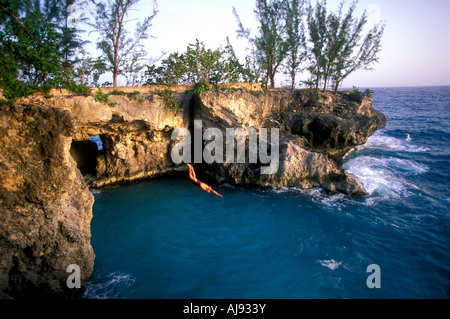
{"x":85,"y":154}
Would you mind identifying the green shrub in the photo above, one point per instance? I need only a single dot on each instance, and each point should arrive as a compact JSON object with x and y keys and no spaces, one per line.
{"x":45,"y":88}
{"x":355,"y":95}
{"x":79,"y":89}
{"x":5,"y":102}
{"x":256,"y":93}
{"x":369,"y":92}
{"x":116,"y":92}
{"x":168,"y":100}
{"x":203,"y":87}
{"x":101,"y":97}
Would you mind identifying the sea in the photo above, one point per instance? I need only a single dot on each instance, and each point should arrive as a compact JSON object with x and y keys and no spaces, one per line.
{"x":167,"y":239}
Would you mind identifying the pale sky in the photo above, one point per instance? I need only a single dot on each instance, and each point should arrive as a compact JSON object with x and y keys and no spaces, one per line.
{"x":415,"y":45}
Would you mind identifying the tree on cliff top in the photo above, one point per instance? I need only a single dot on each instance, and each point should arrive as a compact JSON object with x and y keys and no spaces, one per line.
{"x":359,"y":55}
{"x":295,"y":38}
{"x":269,"y":45}
{"x":117,"y":48}
{"x":336,"y":48}
{"x":36,"y":45}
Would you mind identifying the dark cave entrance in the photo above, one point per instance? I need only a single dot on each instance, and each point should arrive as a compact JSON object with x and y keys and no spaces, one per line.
{"x":85,"y":154}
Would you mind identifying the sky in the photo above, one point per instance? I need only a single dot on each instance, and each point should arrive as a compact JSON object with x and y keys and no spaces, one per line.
{"x":415,"y":45}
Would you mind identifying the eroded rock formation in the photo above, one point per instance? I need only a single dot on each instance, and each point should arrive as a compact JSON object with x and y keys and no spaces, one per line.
{"x":47,"y":162}
{"x":45,"y":202}
{"x":45,"y":205}
{"x":135,"y":133}
{"x":316,"y":131}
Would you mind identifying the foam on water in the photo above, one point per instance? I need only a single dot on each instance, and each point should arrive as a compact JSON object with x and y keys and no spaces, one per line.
{"x":331,"y":264}
{"x":334,"y":201}
{"x":384,"y":176}
{"x":311,"y":192}
{"x":381,"y":141}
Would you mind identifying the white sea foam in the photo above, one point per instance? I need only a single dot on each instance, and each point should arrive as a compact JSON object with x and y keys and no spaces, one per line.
{"x":408,"y":138}
{"x":334,"y":201}
{"x":312,"y":192}
{"x":331,"y":264}
{"x":384,"y":176}
{"x":288,"y":190}
{"x":111,"y":287}
{"x":381,"y":141}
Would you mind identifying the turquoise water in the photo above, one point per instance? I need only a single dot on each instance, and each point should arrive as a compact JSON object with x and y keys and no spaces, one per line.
{"x":166,"y":238}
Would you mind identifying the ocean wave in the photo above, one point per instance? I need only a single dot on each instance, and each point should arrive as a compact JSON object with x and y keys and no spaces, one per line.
{"x":381,"y":141}
{"x":109,"y":286}
{"x":384,"y":176}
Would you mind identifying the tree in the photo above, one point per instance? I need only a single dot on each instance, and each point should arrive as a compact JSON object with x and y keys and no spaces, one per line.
{"x":338,"y":29}
{"x":317,"y":28}
{"x":365,"y":56}
{"x":199,"y":65}
{"x":232,"y":69}
{"x":203,"y":65}
{"x":171,"y":71}
{"x":29,"y":48}
{"x":70,"y":41}
{"x":269,"y":45}
{"x":37,"y":45}
{"x":88,"y":70}
{"x":296,"y":39}
{"x":335,"y":37}
{"x":116,"y":47}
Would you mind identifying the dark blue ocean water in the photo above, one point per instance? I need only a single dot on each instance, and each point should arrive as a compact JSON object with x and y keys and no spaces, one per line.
{"x":166,"y":238}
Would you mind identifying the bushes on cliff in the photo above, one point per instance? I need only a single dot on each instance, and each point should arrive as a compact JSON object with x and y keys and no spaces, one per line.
{"x":168,"y":100}
{"x":29,"y":54}
{"x":199,"y":65}
{"x":37,"y":46}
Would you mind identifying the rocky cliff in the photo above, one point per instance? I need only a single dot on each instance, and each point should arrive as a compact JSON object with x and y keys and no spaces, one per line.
{"x":48,"y":163}
{"x":135,"y":133}
{"x":45,"y":205}
{"x":316,"y":131}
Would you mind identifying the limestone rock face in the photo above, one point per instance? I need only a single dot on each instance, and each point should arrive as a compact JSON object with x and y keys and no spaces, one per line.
{"x":315,"y":133}
{"x":46,"y":166}
{"x":135,"y":133}
{"x":45,"y":205}
{"x":47,"y":162}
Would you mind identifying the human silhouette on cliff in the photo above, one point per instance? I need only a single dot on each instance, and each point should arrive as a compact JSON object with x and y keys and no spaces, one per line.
{"x":202,"y":185}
